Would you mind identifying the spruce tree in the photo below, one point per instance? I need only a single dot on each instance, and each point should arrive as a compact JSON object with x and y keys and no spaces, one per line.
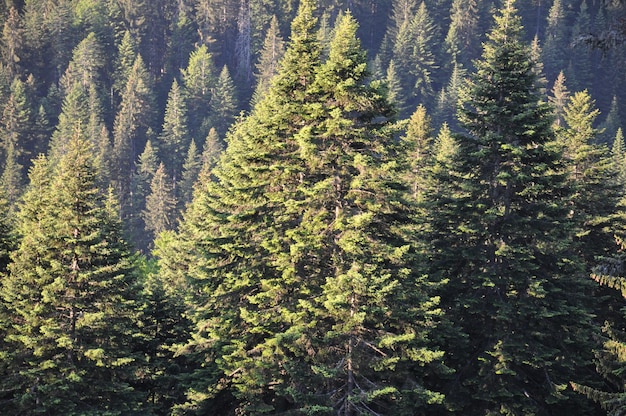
{"x":133,"y":122}
{"x":518,"y":302}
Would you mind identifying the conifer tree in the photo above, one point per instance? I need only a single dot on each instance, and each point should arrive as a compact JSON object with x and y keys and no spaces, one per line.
{"x":618,"y":153}
{"x":11,"y":178}
{"x":463,"y":33}
{"x":611,"y":123}
{"x":500,"y":237}
{"x":12,"y":40}
{"x":130,"y":132}
{"x":174,"y":138}
{"x":15,"y":124}
{"x":269,"y":58}
{"x":71,"y":292}
{"x":160,"y":211}
{"x":126,"y":55}
{"x":224,"y":103}
{"x":556,"y":38}
{"x":395,"y":91}
{"x":558,"y":99}
{"x":190,"y":173}
{"x":200,"y":80}
{"x":418,"y":139}
{"x":326,"y":287}
{"x":74,"y":116}
{"x":86,"y":64}
{"x":594,"y":203}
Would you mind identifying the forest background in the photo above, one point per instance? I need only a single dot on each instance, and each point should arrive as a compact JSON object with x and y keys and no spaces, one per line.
{"x":393,"y":207}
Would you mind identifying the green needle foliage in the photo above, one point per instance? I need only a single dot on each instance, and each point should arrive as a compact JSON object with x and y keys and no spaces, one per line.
{"x":309,"y":297}
{"x":70,"y":288}
{"x":503,"y":237}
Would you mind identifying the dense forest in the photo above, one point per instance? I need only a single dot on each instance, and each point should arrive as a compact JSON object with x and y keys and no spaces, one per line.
{"x":314,"y":207}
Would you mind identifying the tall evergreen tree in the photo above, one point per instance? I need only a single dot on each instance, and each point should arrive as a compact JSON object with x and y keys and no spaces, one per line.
{"x":502,"y":247}
{"x":224,"y":102}
{"x":597,"y":193}
{"x":269,"y":58}
{"x":133,"y":121}
{"x":327,"y":287}
{"x":556,"y":38}
{"x":160,"y":211}
{"x":191,"y":170}
{"x":611,"y":123}
{"x":174,"y":138}
{"x":15,"y":124}
{"x":200,"y":80}
{"x":462,"y":39}
{"x":11,"y":179}
{"x":71,"y":289}
{"x":558,"y":99}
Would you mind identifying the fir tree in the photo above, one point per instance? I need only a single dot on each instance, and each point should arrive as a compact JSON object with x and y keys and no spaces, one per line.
{"x":130,"y":132}
{"x":160,"y":211}
{"x":558,"y":99}
{"x":463,"y":33}
{"x":501,"y":239}
{"x":224,"y":104}
{"x":190,"y":173}
{"x":15,"y":124}
{"x":555,"y":43}
{"x":174,"y":138}
{"x":269,"y":58}
{"x":71,"y":291}
{"x":311,"y":286}
{"x":594,"y":203}
{"x":611,"y":124}
{"x":200,"y":80}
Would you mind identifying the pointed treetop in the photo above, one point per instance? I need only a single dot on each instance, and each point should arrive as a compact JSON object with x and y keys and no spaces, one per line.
{"x":302,"y":54}
{"x":508,"y":24}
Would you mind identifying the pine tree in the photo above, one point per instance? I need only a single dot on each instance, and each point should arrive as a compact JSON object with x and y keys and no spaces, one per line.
{"x":501,"y":240}
{"x":71,"y":292}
